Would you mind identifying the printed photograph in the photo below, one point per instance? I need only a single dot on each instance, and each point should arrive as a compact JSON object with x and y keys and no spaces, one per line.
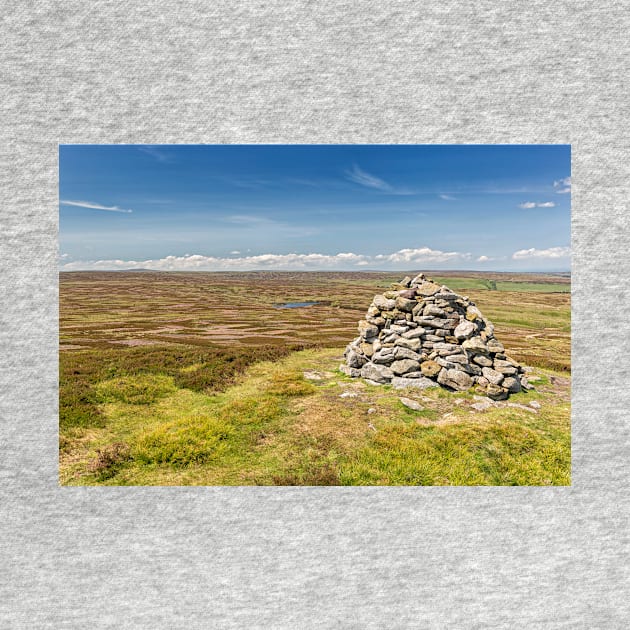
{"x":307,"y":315}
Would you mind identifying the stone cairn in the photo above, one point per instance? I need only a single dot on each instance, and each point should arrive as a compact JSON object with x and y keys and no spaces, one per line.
{"x":421,"y":334}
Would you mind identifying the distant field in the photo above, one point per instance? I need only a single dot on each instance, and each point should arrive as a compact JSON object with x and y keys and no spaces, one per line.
{"x":458,"y":284}
{"x":151,"y":365}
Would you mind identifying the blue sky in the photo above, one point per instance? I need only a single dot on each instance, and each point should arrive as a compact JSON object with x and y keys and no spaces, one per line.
{"x":315,"y":207}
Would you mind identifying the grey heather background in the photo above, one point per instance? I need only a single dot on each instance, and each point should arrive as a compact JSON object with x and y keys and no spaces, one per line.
{"x":326,"y":72}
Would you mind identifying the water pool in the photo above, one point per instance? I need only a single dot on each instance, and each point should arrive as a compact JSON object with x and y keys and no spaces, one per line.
{"x":295,"y":304}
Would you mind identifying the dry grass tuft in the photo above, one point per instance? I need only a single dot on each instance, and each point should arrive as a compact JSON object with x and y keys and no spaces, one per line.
{"x":109,"y":457}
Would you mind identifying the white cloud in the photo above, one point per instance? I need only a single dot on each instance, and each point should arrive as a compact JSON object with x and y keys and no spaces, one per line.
{"x":343,"y":260}
{"x":563,"y":186}
{"x":532,"y":252}
{"x":235,"y":252}
{"x":534,"y":204}
{"x":483,"y":259}
{"x":93,"y":206}
{"x":421,"y":255}
{"x":447,"y":198}
{"x":212,"y":263}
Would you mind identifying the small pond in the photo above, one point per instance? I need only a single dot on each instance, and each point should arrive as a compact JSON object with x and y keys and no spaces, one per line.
{"x":295,"y":304}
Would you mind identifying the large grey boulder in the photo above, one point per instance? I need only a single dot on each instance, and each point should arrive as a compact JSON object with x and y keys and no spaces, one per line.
{"x":404,"y":365}
{"x":384,"y":356}
{"x":354,"y":359}
{"x":405,"y":353}
{"x":367,"y":330}
{"x":505,"y":367}
{"x":476,"y":344}
{"x":513,"y":385}
{"x":399,"y":382}
{"x":493,"y":376}
{"x":411,"y":344}
{"x":405,"y":304}
{"x":384,"y":304}
{"x":377,"y":373}
{"x":464,"y":330}
{"x":456,"y":379}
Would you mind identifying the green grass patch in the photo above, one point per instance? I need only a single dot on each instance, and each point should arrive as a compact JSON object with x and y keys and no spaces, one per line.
{"x":503,"y":452}
{"x":476,"y":283}
{"x":197,"y":368}
{"x":277,"y":428}
{"x":143,"y":389}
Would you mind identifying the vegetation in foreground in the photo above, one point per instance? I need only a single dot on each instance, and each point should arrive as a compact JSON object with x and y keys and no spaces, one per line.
{"x":296,"y":422}
{"x":152,"y":394}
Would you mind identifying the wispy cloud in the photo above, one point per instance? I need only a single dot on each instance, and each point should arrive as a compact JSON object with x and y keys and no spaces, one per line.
{"x":563,"y":186}
{"x":535,"y":204}
{"x":403,"y":258}
{"x":447,"y":198}
{"x":532,"y":252}
{"x":359,"y":176}
{"x":367,"y":180}
{"x":93,"y":206}
{"x":156,"y":153}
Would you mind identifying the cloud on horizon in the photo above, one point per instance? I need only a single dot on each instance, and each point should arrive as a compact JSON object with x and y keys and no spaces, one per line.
{"x":93,"y":206}
{"x":551,"y":253}
{"x":421,"y":255}
{"x":313,"y":261}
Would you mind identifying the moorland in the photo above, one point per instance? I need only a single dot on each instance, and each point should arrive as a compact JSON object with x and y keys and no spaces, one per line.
{"x":181,"y":378}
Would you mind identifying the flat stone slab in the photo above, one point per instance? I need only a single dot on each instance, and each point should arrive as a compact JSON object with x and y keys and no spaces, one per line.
{"x":411,"y":404}
{"x":399,"y":382}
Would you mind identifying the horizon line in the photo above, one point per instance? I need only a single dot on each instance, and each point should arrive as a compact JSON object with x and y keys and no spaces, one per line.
{"x":311,"y":270}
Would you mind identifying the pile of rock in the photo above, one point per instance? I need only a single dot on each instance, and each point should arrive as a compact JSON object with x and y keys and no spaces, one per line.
{"x":420,"y":334}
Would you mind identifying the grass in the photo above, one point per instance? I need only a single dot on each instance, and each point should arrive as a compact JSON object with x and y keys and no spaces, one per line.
{"x":97,"y":375}
{"x":501,"y":450}
{"x":278,"y":428}
{"x":223,"y":399}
